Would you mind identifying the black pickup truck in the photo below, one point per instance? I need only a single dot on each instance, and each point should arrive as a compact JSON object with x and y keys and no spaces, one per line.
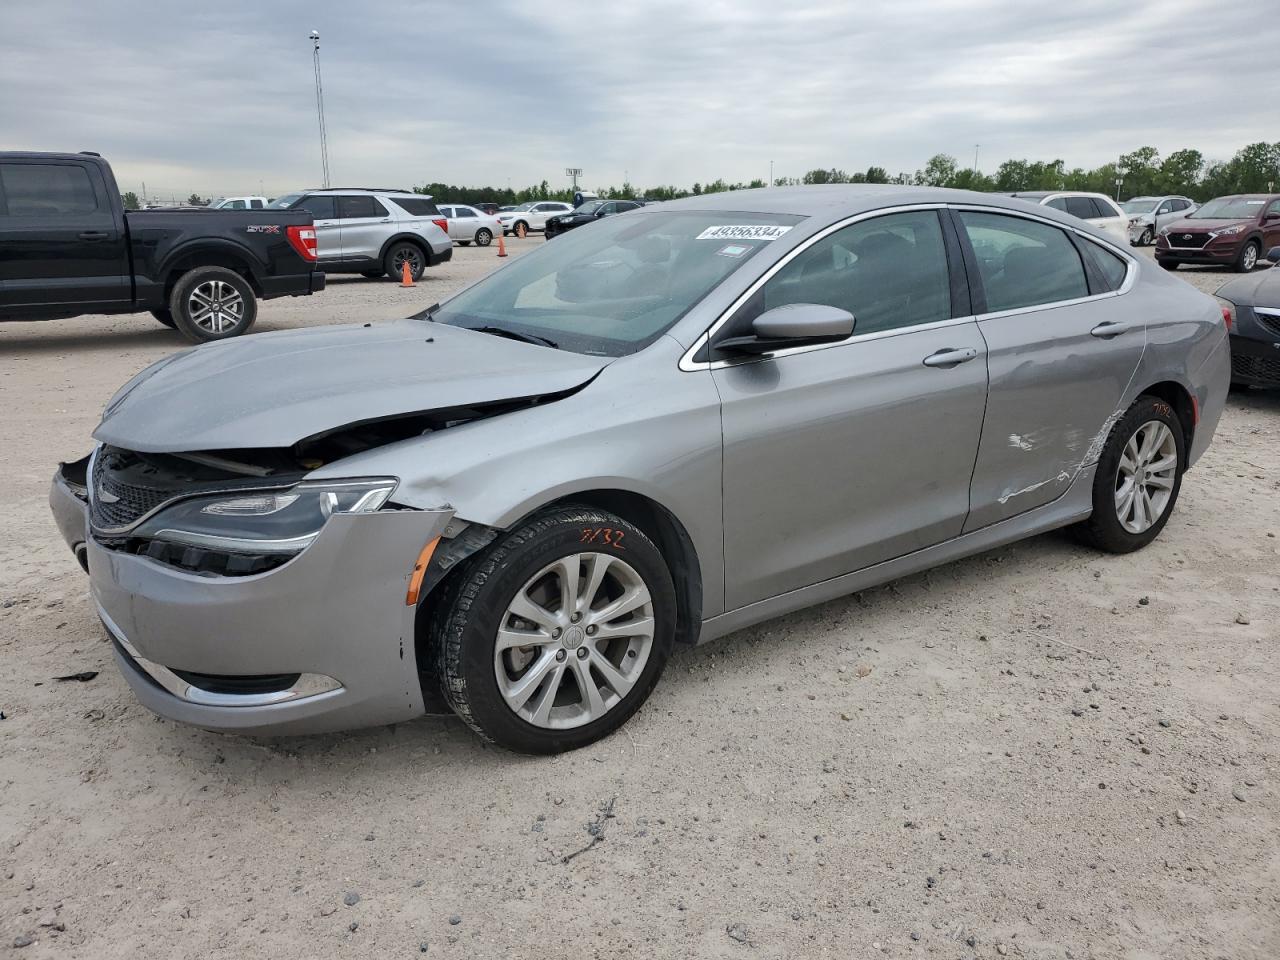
{"x":68,"y":247}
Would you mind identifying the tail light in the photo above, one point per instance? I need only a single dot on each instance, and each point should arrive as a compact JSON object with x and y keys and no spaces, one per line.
{"x":1227,"y":318}
{"x":442,"y":223}
{"x":303,"y":239}
{"x":1228,"y":313}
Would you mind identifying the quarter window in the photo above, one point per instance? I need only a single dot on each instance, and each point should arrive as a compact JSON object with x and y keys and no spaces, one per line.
{"x":888,"y":272}
{"x":1109,"y":268}
{"x":1023,"y":263}
{"x":417,"y":208}
{"x":47,"y":190}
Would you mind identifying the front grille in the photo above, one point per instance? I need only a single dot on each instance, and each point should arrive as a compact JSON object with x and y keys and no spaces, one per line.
{"x":243,"y":685}
{"x":1188,"y":240}
{"x":1255,"y":369}
{"x":1268,"y":322}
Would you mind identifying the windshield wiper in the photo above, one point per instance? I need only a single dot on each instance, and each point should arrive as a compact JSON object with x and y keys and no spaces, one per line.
{"x":515,"y":335}
{"x":426,"y":314}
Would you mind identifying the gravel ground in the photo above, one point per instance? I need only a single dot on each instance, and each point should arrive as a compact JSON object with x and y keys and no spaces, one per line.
{"x":1037,"y":752}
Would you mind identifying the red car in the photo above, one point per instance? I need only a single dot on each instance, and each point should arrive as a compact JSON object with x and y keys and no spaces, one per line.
{"x":1228,"y":231}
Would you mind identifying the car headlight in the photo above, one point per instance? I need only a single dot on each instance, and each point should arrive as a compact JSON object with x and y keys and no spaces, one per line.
{"x":260,"y":522}
{"x":1229,"y":231}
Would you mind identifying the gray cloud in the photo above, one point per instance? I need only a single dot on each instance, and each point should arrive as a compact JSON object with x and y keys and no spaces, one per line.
{"x":220,"y":100}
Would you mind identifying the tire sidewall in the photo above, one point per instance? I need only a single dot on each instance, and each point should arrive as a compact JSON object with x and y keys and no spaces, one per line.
{"x":178,"y":299}
{"x":1104,"y":521}
{"x":505,"y":568}
{"x":1244,"y":253}
{"x":389,"y":261}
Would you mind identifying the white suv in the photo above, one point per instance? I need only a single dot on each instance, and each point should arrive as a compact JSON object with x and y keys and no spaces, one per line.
{"x":374,"y":232}
{"x":531,"y":216}
{"x":1148,"y":214}
{"x":1097,"y":208}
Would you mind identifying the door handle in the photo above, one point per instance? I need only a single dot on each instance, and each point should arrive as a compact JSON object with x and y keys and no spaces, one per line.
{"x":1110,"y":328}
{"x":94,"y":235}
{"x":950,"y":357}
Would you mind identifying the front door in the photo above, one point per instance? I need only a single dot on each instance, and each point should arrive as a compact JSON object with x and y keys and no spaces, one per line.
{"x":61,"y":246}
{"x":364,"y":227}
{"x":1062,"y":348}
{"x":1271,"y":227}
{"x":846,"y":455}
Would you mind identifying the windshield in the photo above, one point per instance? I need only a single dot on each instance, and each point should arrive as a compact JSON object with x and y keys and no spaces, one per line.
{"x":523,"y":206}
{"x":1138,"y":206}
{"x":616,"y":287}
{"x":1229,"y":208}
{"x":218,"y":202}
{"x":590,"y":207}
{"x":285,"y":202}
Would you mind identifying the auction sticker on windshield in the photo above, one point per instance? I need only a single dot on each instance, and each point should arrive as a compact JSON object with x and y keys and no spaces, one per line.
{"x":745,"y":231}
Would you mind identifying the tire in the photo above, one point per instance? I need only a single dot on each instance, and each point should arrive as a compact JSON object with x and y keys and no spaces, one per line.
{"x":520,"y":229}
{"x":1104,"y":529}
{"x":477,"y":601}
{"x":212,"y":303}
{"x":1248,"y":258}
{"x":464,"y":243}
{"x":164,"y":317}
{"x":401,"y":253}
{"x":373,"y":274}
{"x":1147,"y":238}
{"x":484,"y":237}
{"x":1168,"y":264}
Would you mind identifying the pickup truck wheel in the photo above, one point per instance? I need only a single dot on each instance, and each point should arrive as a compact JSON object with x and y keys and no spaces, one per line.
{"x":212,"y":303}
{"x":164,"y":317}
{"x":399,"y":255}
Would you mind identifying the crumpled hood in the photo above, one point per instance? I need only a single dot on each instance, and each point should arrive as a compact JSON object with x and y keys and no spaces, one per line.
{"x":274,"y":389}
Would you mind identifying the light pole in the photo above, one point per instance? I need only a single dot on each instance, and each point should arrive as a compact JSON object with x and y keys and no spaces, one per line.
{"x":324,"y":140}
{"x":771,"y":173}
{"x":975,"y":157}
{"x":1120,"y":172}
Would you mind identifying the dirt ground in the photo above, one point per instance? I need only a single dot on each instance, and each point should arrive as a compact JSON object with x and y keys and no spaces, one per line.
{"x":1037,"y":752}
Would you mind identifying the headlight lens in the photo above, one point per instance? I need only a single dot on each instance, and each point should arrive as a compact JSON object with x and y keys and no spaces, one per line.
{"x":275,"y":522}
{"x":1229,"y":231}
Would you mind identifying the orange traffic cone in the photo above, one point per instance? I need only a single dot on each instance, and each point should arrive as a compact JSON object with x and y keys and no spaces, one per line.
{"x":502,"y":247}
{"x":406,"y":275}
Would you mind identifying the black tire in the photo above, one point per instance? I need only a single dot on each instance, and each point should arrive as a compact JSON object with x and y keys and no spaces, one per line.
{"x":464,"y":243}
{"x":1168,"y":264}
{"x":475,"y":599}
{"x":1103,"y":529}
{"x":164,"y":317}
{"x":404,"y":252}
{"x":520,"y":229}
{"x":484,"y":237}
{"x":1244,"y":262}
{"x":373,"y":274}
{"x":189,"y":285}
{"x":1147,"y":238}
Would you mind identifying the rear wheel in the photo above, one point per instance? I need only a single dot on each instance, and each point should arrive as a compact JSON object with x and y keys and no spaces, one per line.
{"x":521,"y":229}
{"x":1248,"y":258}
{"x":212,"y":303}
{"x":1137,"y":480}
{"x":399,"y":255}
{"x":484,"y":237}
{"x":554,"y":636}
{"x":163,"y":316}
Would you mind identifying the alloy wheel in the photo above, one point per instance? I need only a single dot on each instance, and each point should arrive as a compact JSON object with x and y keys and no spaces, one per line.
{"x":215,"y":306}
{"x":1146,"y":475}
{"x":574,"y":640}
{"x":407,"y":255}
{"x":1249,"y":259}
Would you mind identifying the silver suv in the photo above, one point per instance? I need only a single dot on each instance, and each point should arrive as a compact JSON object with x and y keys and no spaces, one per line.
{"x":372,"y":231}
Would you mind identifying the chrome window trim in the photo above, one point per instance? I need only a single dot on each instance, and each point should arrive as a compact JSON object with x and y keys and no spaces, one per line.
{"x":689,"y":365}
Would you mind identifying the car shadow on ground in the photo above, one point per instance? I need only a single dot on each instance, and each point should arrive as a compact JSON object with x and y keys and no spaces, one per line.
{"x":42,"y":337}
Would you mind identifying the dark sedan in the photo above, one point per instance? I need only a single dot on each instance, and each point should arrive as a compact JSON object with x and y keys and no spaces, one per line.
{"x":589,"y":212}
{"x":1227,"y":231}
{"x":1254,"y":305}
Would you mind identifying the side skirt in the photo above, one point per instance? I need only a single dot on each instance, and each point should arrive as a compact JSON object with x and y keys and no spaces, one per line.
{"x":1075,"y":504}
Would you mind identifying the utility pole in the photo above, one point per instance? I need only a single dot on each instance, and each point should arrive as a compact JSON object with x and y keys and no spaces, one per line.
{"x":324,"y":140}
{"x":771,"y":173}
{"x":975,"y":157}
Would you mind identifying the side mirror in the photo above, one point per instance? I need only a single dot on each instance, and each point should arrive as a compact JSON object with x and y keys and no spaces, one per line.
{"x":792,"y":325}
{"x":1274,"y":254}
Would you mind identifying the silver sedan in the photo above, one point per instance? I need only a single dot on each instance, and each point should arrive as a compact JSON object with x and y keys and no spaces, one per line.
{"x":656,"y":430}
{"x":468,"y":225}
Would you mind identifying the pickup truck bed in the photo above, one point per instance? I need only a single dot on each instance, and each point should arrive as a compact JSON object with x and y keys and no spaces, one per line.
{"x":68,"y":247}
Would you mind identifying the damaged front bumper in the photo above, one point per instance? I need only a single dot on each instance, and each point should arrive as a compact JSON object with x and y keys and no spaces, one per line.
{"x":324,"y":642}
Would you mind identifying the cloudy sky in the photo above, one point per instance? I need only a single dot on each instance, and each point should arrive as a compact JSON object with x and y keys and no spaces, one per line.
{"x":219,"y":98}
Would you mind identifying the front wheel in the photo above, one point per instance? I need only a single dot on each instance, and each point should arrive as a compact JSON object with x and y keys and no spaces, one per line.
{"x":1248,"y":258}
{"x":212,"y":303}
{"x":484,"y":237}
{"x":554,"y":636}
{"x":400,"y":254}
{"x":1147,"y":238}
{"x":1137,"y":480}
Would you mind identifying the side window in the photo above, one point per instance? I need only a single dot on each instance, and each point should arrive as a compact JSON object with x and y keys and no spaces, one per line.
{"x":256,"y":204}
{"x":418,"y":207}
{"x":1167,"y":207}
{"x":464,"y":212}
{"x":1109,"y":267}
{"x":1023,"y":263}
{"x":625,"y":205}
{"x":608,"y":208}
{"x":1058,"y":203}
{"x":352,"y":208}
{"x":320,"y":207}
{"x":1273,"y":209}
{"x":47,"y":190}
{"x":1105,"y":208}
{"x":888,"y":272}
{"x":1082,"y":207}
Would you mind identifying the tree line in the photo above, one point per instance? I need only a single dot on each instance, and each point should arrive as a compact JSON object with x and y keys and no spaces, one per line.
{"x":1254,"y":169}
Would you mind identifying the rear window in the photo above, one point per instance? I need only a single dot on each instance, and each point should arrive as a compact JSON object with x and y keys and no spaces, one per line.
{"x":416,"y":207}
{"x":47,"y":190}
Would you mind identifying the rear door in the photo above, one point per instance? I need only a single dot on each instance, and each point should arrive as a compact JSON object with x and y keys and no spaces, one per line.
{"x":1062,"y":348}
{"x":324,"y":210}
{"x":846,"y":455}
{"x":1271,"y":226}
{"x":365,"y":226}
{"x":463,"y":224}
{"x":61,"y":245}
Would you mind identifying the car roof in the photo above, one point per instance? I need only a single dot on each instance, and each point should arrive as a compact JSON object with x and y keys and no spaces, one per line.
{"x":838,"y":200}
